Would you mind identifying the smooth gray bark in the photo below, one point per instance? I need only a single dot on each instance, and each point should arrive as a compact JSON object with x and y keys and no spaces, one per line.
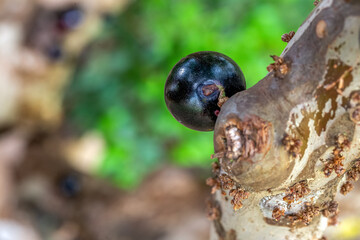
{"x":289,"y":144}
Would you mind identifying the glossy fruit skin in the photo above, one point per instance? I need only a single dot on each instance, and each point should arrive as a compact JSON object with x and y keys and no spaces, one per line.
{"x":184,"y":89}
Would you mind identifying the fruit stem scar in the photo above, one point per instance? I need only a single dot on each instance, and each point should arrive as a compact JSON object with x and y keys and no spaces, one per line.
{"x":209,"y":89}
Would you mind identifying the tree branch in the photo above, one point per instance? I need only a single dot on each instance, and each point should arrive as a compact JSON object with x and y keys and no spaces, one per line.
{"x":289,"y":144}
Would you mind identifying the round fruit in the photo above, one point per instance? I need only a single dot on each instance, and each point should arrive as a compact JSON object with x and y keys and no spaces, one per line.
{"x":70,"y":185}
{"x":54,"y":52}
{"x":197,"y":83}
{"x":69,"y":18}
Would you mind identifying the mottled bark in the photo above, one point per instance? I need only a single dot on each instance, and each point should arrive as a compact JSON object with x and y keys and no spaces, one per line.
{"x":289,"y":144}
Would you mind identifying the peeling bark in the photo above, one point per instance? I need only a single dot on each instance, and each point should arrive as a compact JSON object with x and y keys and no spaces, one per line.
{"x":292,"y":141}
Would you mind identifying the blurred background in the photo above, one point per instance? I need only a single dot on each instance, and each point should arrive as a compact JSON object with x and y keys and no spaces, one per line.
{"x":88,"y":150}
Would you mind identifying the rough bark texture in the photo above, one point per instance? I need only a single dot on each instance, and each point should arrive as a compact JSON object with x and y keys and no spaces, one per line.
{"x":289,"y":144}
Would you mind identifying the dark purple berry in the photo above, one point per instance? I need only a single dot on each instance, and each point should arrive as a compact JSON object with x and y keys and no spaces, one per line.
{"x":69,"y":18}
{"x":70,"y":185}
{"x":54,"y":52}
{"x":194,"y":85}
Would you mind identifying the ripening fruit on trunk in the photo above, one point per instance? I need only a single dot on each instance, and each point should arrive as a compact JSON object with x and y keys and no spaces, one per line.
{"x":196,"y":86}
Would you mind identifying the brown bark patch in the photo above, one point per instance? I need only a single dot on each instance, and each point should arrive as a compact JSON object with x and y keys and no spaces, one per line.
{"x":353,"y":173}
{"x":213,"y":210}
{"x":214,"y":183}
{"x":292,"y":145}
{"x":331,"y":211}
{"x":305,"y":216}
{"x":338,"y":77}
{"x":355,"y":99}
{"x":231,"y":235}
{"x":355,"y":114}
{"x":238,"y":195}
{"x":280,"y":67}
{"x":321,"y":31}
{"x":225,"y":182}
{"x":278,"y":213}
{"x":346,"y":188}
{"x":287,"y":36}
{"x":303,"y":131}
{"x":297,"y":191}
{"x":244,"y":138}
{"x":335,"y":163}
{"x":341,"y":125}
{"x":316,"y":2}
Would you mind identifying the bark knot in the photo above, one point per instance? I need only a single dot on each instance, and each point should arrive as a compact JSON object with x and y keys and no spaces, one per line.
{"x":278,"y":213}
{"x":292,"y":145}
{"x":335,"y":163}
{"x":244,"y":138}
{"x":238,"y":195}
{"x":316,"y":2}
{"x":287,"y":36}
{"x":305,"y":216}
{"x":279,"y":67}
{"x":225,"y":182}
{"x":297,"y":191}
{"x":321,"y":29}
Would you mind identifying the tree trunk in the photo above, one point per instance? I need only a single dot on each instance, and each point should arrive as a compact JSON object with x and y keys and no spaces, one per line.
{"x":289,"y":144}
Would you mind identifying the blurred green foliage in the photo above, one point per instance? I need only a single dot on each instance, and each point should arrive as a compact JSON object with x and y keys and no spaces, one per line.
{"x":118,"y":89}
